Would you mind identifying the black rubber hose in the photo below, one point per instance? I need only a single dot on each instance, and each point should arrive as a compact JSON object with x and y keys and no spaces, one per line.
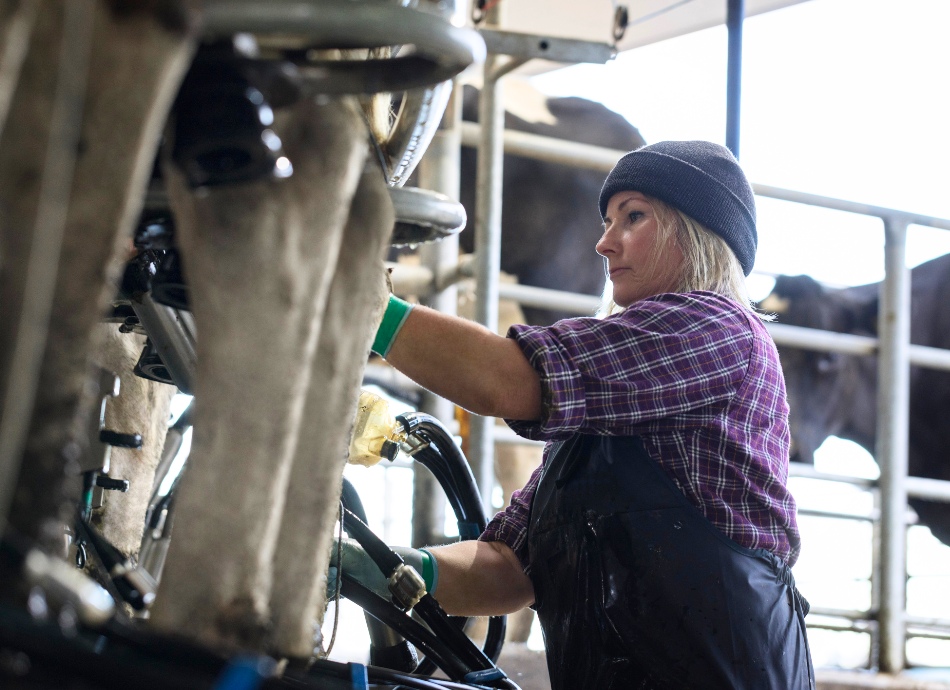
{"x":387,"y":649}
{"x":423,"y":638}
{"x":432,"y":614}
{"x":471,"y":657}
{"x":352,"y":502}
{"x":385,"y":558}
{"x":447,"y":463}
{"x":471,"y":518}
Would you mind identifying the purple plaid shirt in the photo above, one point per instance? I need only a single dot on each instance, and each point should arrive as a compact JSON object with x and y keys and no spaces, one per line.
{"x":697,"y":377}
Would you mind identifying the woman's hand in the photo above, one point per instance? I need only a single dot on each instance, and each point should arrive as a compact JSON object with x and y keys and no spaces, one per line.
{"x":358,"y":565}
{"x":474,"y":578}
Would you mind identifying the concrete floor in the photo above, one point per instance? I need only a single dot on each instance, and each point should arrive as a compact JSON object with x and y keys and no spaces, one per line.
{"x":528,"y":669}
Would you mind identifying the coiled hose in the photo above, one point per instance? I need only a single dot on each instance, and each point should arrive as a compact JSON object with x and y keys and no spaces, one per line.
{"x":445,"y":642}
{"x":438,"y":452}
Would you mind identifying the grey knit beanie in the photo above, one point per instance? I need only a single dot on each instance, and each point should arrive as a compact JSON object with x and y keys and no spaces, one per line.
{"x":701,"y":179}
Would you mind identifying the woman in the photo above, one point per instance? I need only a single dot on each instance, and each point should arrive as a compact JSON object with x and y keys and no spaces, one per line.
{"x":655,"y":540}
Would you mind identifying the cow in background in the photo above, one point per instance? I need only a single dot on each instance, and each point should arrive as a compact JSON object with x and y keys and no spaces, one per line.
{"x":549,"y":211}
{"x":835,"y":394}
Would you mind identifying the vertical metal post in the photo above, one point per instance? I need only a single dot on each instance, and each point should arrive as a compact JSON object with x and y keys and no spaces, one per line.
{"x":735,"y":17}
{"x":439,"y":170}
{"x":488,"y":180}
{"x":893,"y":402}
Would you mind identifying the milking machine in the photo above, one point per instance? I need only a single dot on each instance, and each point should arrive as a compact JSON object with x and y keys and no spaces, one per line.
{"x":255,"y":59}
{"x":428,"y":442}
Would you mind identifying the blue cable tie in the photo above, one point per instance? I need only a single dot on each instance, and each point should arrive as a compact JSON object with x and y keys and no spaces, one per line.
{"x":484,"y":676}
{"x":469,"y":530}
{"x":245,"y":673}
{"x":359,"y":676}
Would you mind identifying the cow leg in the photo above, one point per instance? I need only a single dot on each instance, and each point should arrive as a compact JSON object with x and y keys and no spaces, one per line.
{"x":136,"y":58}
{"x":355,"y":304}
{"x":259,"y":258}
{"x":142,"y":407}
{"x":17,"y":18}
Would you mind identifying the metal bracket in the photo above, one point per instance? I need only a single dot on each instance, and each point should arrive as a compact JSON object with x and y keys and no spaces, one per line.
{"x":532,"y":46}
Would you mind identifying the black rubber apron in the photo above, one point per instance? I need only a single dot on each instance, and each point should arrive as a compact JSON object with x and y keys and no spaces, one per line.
{"x":635,"y":588}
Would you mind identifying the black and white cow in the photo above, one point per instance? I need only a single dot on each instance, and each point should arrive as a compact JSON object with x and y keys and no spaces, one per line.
{"x":835,"y":394}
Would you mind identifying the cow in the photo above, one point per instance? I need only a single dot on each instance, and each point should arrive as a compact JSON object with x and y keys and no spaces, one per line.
{"x":549,"y":211}
{"x":285,"y":279}
{"x":836,"y":394}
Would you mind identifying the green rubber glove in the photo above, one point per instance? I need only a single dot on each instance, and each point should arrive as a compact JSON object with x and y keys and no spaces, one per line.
{"x":358,"y":565}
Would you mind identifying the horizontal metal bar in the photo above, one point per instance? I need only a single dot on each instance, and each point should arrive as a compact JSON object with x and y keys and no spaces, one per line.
{"x":543,"y":298}
{"x":917,"y":487}
{"x":603,"y":159}
{"x":849,"y":206}
{"x":850,"y":626}
{"x":822,"y":341}
{"x":549,"y":149}
{"x":409,"y":279}
{"x":923,"y":487}
{"x":864,"y":622}
{"x":936,"y":634}
{"x":797,"y":469}
{"x":848,"y":614}
{"x":830,"y":341}
{"x":835,"y":515}
{"x":927,"y":622}
{"x":532,"y":46}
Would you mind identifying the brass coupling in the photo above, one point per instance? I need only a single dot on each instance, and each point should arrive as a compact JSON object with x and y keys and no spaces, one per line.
{"x":406,"y":586}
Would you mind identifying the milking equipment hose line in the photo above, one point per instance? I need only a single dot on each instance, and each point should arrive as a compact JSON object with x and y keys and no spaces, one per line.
{"x":463,"y":660}
{"x":388,"y":648}
{"x":433,"y":446}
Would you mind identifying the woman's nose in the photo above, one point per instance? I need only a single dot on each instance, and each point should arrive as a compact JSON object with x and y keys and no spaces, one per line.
{"x":605,"y":244}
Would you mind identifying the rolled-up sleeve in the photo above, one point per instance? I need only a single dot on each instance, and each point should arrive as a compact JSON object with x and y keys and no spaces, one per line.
{"x":622,"y":374}
{"x":662,"y":364}
{"x":563,"y":403}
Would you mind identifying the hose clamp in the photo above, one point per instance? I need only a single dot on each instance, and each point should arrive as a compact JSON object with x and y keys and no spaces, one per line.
{"x":406,"y":586}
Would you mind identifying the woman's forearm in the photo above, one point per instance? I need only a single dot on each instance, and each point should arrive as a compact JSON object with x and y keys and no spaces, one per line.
{"x":478,"y":578}
{"x":466,"y":363}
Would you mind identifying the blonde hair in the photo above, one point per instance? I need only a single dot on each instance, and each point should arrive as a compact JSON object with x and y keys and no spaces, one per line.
{"x":708,"y":262}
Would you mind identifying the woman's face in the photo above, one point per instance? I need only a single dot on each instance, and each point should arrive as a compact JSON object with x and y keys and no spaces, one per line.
{"x":638,"y":268}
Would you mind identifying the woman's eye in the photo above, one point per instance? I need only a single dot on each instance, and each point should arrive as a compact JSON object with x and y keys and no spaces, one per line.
{"x":635,"y":216}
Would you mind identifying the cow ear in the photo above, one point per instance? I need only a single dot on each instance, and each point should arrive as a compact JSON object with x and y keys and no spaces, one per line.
{"x":797,"y":287}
